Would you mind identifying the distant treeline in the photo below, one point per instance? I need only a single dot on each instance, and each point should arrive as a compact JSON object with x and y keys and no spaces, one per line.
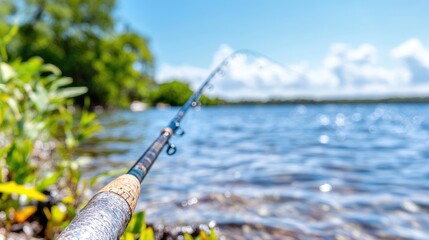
{"x":329,"y":101}
{"x":175,"y":93}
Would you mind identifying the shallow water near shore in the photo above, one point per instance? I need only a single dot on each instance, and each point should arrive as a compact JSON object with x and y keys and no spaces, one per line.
{"x":283,"y":171}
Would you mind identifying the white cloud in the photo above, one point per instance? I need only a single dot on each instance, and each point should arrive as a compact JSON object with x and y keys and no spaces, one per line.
{"x":416,"y":59}
{"x":344,"y":72}
{"x":355,"y":68}
{"x":223,"y":52}
{"x":412,"y":48}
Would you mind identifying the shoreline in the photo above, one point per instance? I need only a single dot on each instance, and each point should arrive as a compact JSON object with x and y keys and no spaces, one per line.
{"x":331,"y":101}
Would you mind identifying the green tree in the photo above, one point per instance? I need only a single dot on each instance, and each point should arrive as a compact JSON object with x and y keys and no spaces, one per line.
{"x":79,"y":37}
{"x":176,"y":93}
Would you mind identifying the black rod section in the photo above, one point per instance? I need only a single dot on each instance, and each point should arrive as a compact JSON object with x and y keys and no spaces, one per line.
{"x":144,"y":163}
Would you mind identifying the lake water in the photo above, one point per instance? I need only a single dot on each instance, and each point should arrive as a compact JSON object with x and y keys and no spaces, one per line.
{"x":282,"y":172}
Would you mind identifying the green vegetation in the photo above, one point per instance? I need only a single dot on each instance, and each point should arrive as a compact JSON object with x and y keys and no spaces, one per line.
{"x":80,"y":37}
{"x":137,"y":229}
{"x":176,"y":93}
{"x":39,"y":131}
{"x":40,"y":128}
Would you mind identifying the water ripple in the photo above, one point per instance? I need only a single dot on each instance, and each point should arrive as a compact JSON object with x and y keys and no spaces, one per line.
{"x":316,"y":171}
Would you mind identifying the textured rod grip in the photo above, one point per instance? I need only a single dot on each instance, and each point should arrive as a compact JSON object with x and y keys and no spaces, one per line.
{"x":105,"y":217}
{"x":126,"y":186}
{"x":107,"y":214}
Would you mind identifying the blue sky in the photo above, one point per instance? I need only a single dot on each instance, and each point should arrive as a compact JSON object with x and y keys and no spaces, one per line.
{"x":186,"y":36}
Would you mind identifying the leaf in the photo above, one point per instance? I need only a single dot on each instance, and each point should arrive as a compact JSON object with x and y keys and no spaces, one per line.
{"x":48,"y":181}
{"x":57,"y":214}
{"x":17,"y":94}
{"x":72,"y":92}
{"x":135,"y":222}
{"x":60,"y":83}
{"x":68,"y":200}
{"x":148,"y":234}
{"x":70,"y":140}
{"x":32,"y":193}
{"x":52,"y":69}
{"x":5,"y":150}
{"x":188,"y":236}
{"x":6,"y":72}
{"x":87,"y":118}
{"x":3,"y":87}
{"x":47,"y":213}
{"x":129,"y":236}
{"x":35,"y":98}
{"x":42,"y":98}
{"x":30,"y":68}
{"x":13,"y":31}
{"x":203,"y":235}
{"x":213,"y":235}
{"x":23,"y":214}
{"x":14,"y":106}
{"x":139,"y":225}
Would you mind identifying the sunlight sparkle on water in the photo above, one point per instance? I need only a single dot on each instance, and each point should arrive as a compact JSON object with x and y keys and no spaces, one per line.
{"x":340,"y":120}
{"x":324,"y":139}
{"x":324,"y":120}
{"x":239,"y":170}
{"x":325,"y":187}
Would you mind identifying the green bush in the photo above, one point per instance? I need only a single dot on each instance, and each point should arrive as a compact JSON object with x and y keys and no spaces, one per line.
{"x":39,"y":130}
{"x":137,"y":229}
{"x":176,"y":93}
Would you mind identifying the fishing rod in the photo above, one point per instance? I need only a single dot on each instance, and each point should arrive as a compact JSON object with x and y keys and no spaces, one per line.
{"x":107,"y":214}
